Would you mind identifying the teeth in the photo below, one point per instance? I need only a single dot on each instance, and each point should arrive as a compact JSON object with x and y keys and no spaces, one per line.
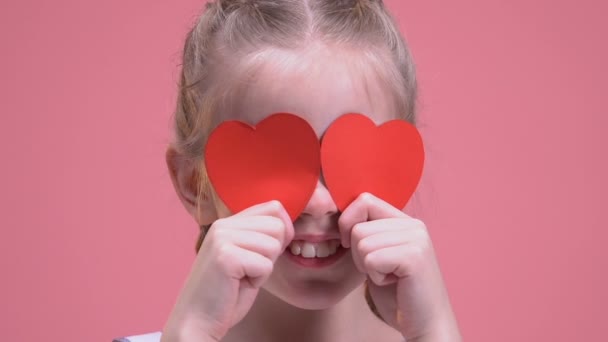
{"x":308,"y":250}
{"x":311,"y":250}
{"x":295,"y":249}
{"x":333,"y":246}
{"x":322,"y":250}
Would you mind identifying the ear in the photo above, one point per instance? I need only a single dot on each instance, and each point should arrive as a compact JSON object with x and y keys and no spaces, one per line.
{"x":183,"y":176}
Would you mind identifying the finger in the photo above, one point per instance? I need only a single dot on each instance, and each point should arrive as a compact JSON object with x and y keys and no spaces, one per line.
{"x":270,"y":225}
{"x":257,"y":242}
{"x":382,"y":240}
{"x":386,"y":265}
{"x":364,"y":230}
{"x":356,"y":254}
{"x":245,"y":265}
{"x":365,"y":208}
{"x":377,"y":241}
{"x":271,"y":208}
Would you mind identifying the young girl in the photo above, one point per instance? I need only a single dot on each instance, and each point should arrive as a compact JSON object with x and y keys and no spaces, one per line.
{"x":247,"y":59}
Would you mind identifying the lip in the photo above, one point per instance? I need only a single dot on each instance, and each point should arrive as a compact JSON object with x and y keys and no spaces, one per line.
{"x":316,"y":262}
{"x":315,"y":237}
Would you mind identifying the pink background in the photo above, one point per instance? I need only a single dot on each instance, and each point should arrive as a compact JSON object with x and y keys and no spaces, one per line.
{"x":95,"y":244}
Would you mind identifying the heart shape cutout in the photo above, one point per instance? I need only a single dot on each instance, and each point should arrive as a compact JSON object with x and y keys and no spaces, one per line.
{"x":357,"y":156}
{"x":278,"y":159}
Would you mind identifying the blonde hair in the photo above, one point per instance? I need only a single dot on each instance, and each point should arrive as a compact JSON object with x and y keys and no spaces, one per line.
{"x":230,"y":34}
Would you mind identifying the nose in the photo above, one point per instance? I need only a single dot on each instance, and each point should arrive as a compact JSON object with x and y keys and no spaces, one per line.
{"x":320,"y":204}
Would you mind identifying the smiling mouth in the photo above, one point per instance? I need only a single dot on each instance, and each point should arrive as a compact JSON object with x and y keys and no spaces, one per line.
{"x":307,"y":249}
{"x":315,"y":255}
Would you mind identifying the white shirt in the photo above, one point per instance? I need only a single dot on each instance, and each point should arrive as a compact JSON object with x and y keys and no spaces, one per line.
{"x":149,"y":337}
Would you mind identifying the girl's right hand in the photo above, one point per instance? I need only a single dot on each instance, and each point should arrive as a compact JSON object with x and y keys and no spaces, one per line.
{"x":237,"y":256}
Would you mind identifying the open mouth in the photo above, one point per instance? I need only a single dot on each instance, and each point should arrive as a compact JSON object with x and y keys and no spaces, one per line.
{"x":315,"y":254}
{"x":307,"y":249}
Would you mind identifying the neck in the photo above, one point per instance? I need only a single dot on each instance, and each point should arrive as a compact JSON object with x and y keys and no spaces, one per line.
{"x":271,"y":319}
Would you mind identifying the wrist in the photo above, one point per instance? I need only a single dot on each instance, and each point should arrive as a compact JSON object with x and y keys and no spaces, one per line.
{"x":187,"y":330}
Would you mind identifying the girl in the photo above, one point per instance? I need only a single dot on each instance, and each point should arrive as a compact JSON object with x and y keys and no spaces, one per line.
{"x":246,"y":59}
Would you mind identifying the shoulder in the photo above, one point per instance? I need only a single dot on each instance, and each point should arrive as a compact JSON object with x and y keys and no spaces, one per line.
{"x":149,"y":337}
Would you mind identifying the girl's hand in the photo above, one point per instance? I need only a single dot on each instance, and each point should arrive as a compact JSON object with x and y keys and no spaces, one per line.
{"x":404,"y":279}
{"x":237,"y":256}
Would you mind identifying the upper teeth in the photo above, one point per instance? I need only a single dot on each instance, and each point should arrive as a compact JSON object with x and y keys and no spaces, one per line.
{"x":318,"y":249}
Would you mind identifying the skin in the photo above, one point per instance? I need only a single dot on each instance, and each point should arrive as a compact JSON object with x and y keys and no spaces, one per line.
{"x":242,"y":288}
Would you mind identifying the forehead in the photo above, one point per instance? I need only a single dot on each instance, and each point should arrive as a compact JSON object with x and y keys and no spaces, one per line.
{"x":318,"y":85}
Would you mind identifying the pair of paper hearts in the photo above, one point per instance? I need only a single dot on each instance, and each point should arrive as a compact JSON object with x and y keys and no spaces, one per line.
{"x":281,"y":159}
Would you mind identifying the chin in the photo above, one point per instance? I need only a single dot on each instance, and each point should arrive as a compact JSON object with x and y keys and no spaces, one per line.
{"x":314,"y":294}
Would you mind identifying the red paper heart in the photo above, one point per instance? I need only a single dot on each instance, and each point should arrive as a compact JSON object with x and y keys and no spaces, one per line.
{"x":357,"y":156}
{"x":278,"y":159}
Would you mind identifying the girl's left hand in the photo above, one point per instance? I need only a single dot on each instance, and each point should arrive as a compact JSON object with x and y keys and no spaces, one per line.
{"x":404,"y":279}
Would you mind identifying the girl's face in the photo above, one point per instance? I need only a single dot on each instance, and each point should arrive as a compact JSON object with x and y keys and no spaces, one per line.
{"x":320,"y":86}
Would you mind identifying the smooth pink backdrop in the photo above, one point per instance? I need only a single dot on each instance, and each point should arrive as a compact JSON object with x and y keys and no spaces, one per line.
{"x":95,"y":244}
